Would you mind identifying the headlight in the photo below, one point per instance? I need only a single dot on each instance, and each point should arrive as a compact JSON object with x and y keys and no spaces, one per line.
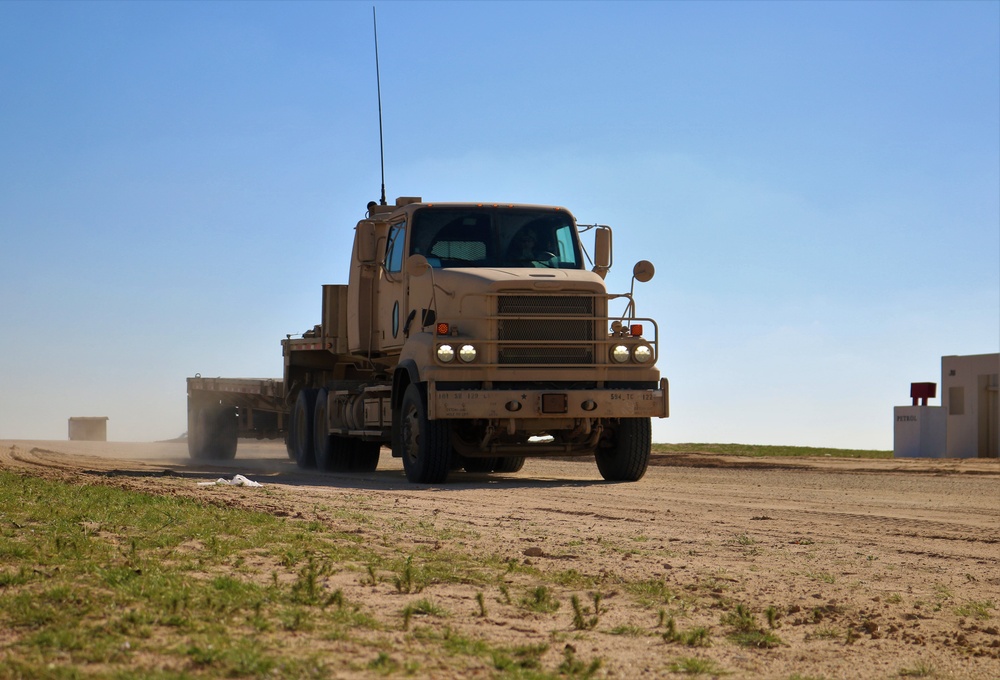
{"x":619,"y":354}
{"x":642,"y":354}
{"x":467,"y":353}
{"x":446,"y":353}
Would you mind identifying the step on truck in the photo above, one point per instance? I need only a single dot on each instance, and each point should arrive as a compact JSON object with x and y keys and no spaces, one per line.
{"x":468,"y":336}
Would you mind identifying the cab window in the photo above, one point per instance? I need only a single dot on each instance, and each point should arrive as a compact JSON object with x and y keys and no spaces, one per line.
{"x":394,"y":247}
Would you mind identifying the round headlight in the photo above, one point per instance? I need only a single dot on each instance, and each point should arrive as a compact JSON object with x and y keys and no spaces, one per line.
{"x":643,"y":354}
{"x":619,"y":354}
{"x":446,"y":353}
{"x":467,"y":353}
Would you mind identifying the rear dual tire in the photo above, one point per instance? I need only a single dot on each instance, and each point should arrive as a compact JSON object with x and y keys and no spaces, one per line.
{"x":494,"y":464}
{"x":509,"y":464}
{"x":311,"y":445}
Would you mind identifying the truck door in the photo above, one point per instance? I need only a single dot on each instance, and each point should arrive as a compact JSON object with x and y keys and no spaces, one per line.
{"x":392,"y":302}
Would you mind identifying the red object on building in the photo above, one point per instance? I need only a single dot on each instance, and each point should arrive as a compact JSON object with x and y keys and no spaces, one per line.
{"x":923,"y":392}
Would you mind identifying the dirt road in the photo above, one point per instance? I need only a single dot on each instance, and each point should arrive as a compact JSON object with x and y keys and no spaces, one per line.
{"x":873,"y":569}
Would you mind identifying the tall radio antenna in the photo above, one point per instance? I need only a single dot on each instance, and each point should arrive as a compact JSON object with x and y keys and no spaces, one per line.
{"x":378,"y":85}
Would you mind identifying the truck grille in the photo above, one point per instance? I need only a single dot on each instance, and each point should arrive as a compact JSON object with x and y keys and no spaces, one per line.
{"x":561,"y":325}
{"x":545,"y":305}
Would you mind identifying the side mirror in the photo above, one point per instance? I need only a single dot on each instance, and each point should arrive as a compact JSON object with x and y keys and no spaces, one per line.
{"x":364,"y":236}
{"x":602,"y":251}
{"x":643,"y":271}
{"x":417,"y":265}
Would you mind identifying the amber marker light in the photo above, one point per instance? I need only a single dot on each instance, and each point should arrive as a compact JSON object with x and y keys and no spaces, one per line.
{"x":443,"y":328}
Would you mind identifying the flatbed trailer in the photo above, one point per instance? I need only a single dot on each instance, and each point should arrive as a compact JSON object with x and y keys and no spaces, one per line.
{"x":227,"y":409}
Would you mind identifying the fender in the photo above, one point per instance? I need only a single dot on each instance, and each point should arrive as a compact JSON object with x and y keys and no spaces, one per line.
{"x":406,"y":373}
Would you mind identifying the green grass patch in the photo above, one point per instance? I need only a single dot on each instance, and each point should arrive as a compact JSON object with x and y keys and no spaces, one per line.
{"x":756,"y":451}
{"x":629,"y":631}
{"x":691,"y":665}
{"x":652,"y":593}
{"x":979,"y":610}
{"x":92,"y":575}
{"x":100,"y":582}
{"x":920,"y":670}
{"x":540,"y":599}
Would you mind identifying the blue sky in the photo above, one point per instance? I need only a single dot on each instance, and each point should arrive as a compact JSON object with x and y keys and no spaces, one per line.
{"x":818,"y":185}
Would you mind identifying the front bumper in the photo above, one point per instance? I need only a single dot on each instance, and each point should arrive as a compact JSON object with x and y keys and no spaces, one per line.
{"x":521,"y":404}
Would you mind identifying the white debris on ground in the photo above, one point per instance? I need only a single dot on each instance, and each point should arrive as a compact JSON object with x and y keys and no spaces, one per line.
{"x":238,"y":480}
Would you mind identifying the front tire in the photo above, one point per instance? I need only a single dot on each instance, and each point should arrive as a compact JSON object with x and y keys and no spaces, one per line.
{"x":627,"y":458}
{"x":426,"y":444}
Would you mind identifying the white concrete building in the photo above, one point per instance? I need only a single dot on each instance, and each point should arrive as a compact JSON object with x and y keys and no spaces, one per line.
{"x":970,"y":395}
{"x":88,"y":429}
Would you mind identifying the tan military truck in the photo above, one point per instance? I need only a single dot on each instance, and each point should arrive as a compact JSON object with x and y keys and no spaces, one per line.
{"x":470,"y":336}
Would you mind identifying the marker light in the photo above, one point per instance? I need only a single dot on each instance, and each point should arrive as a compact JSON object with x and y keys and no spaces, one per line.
{"x":442,"y":328}
{"x":635,"y":330}
{"x":446,"y":353}
{"x":467,"y":353}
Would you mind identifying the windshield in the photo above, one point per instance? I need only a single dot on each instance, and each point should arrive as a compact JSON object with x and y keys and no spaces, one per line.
{"x":496,"y":237}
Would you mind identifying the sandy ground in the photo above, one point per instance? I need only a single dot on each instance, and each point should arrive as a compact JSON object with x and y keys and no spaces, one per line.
{"x":874,"y":568}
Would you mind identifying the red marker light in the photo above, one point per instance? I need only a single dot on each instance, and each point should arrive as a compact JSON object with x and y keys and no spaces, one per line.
{"x":635,"y":329}
{"x":443,"y":329}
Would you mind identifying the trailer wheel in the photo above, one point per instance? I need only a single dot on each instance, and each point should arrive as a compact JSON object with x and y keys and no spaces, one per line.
{"x":365,"y":456}
{"x":196,"y":433}
{"x":509,"y":464}
{"x":627,"y":458}
{"x":227,"y":432}
{"x":426,"y":443}
{"x":212,"y":433}
{"x":301,"y":429}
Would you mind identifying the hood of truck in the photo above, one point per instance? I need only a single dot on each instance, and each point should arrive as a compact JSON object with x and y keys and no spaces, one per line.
{"x":492,"y":280}
{"x":468,"y":291}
